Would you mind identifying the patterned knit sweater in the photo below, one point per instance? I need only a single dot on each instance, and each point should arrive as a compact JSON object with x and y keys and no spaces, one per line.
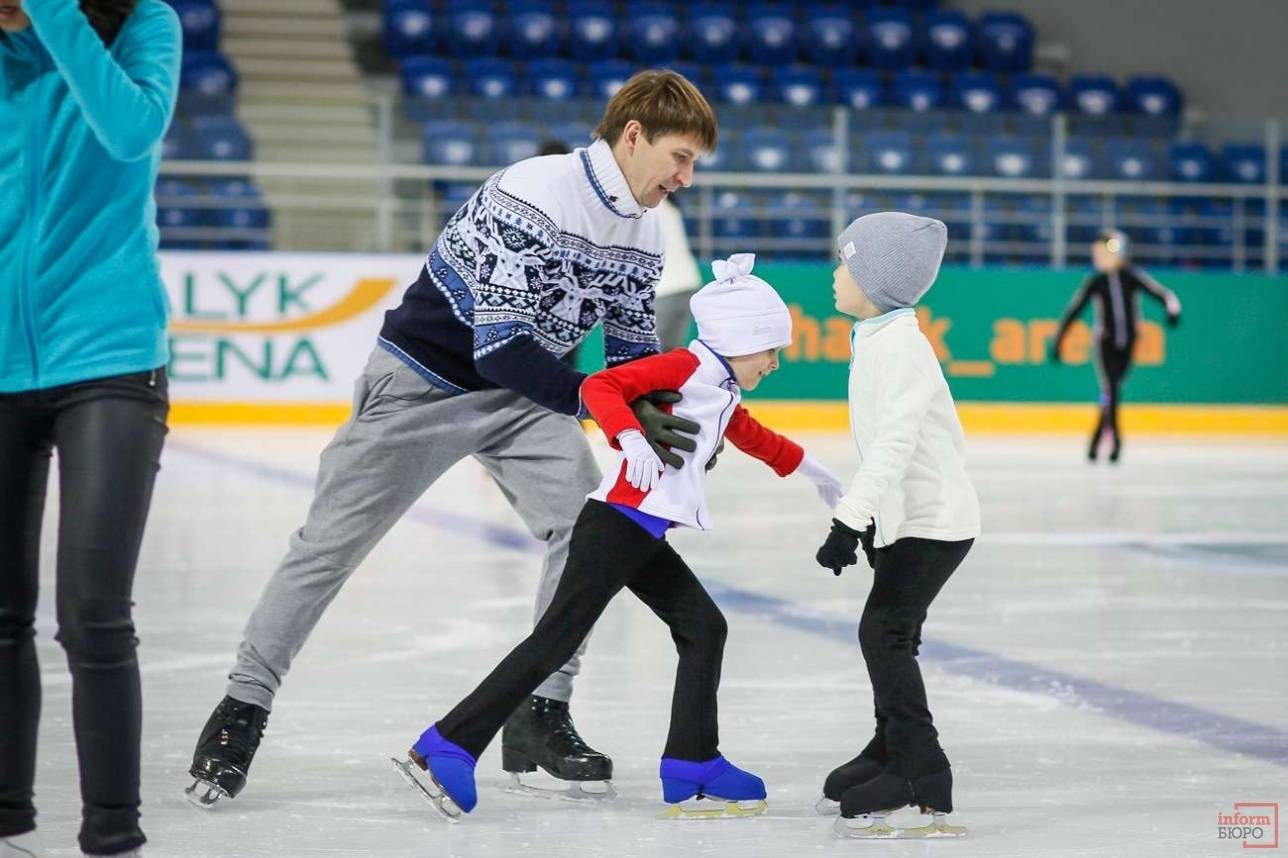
{"x":545,"y":250}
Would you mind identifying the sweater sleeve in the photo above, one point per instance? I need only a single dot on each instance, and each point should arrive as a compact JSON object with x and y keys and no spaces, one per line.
{"x":127,"y":99}
{"x":608,"y":394}
{"x":753,"y":438}
{"x":903,"y":396}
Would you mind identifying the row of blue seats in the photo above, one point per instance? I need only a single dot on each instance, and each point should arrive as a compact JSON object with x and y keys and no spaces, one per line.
{"x":220,"y":214}
{"x":430,"y":78}
{"x":202,"y":23}
{"x":207,"y":137}
{"x":658,"y":33}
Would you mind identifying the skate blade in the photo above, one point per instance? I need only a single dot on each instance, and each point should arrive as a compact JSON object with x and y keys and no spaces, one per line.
{"x":878,"y":827}
{"x":582,"y":791}
{"x":714,"y":808}
{"x":204,"y":794}
{"x":429,"y":790}
{"x":826,"y":807}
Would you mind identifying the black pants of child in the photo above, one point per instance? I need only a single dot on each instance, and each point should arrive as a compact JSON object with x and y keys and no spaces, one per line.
{"x":1112,"y":364}
{"x":609,"y":552}
{"x":909,"y":575}
{"x":108,"y":434}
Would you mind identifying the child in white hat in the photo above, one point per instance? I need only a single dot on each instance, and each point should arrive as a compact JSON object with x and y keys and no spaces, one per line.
{"x":620,"y":541}
{"x":911,"y":505}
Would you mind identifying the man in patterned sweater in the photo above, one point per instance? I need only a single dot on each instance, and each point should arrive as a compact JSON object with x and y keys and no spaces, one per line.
{"x":468,"y":365}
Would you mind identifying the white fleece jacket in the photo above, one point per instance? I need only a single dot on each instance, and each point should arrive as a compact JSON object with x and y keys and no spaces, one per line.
{"x":912,"y":472}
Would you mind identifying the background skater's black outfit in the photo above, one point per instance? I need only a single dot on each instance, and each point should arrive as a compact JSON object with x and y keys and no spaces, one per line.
{"x":1117,"y":307}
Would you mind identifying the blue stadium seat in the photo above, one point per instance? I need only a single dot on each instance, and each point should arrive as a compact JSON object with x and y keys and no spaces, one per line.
{"x":886,"y":152}
{"x":178,"y":144}
{"x":1145,"y":220}
{"x":250,"y":213}
{"x":799,"y":87}
{"x":978,"y":93}
{"x":427,"y":78}
{"x":741,"y":85}
{"x":1084,"y":216}
{"x":221,"y":138}
{"x":450,"y":144}
{"x":1133,"y":161}
{"x":860,"y":203}
{"x":888,"y":37}
{"x":727,"y":156}
{"x":207,"y":73}
{"x":951,"y":155}
{"x":592,"y":30}
{"x":1081,"y":160}
{"x":798,"y":215}
{"x":472,"y":29}
{"x":1004,"y":42}
{"x":201,"y":24}
{"x":917,"y":90}
{"x":574,"y":135}
{"x":553,"y":80}
{"x":652,"y":33}
{"x":1244,"y":163}
{"x":732,"y":216}
{"x":410,"y":28}
{"x":914,"y":5}
{"x":1191,"y":162}
{"x":828,"y":36}
{"x":508,"y":142}
{"x":605,"y":77}
{"x":532,"y":30}
{"x":1153,"y":96}
{"x":1094,"y":95}
{"x":1037,"y":94}
{"x":767,"y":150}
{"x":176,"y":208}
{"x":860,"y":89}
{"x":946,"y":40}
{"x":822,"y":155}
{"x":769,"y":36}
{"x":489,"y":78}
{"x":712,"y":33}
{"x":1012,"y":157}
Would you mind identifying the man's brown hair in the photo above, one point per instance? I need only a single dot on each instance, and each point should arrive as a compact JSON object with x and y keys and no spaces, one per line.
{"x":662,"y":101}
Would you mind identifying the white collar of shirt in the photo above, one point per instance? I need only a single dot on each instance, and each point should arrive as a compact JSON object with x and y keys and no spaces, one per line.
{"x":867,"y":327}
{"x":713,"y":369}
{"x":605,"y":183}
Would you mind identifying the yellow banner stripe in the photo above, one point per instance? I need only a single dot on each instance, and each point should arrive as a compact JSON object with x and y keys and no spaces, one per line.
{"x":366,"y":294}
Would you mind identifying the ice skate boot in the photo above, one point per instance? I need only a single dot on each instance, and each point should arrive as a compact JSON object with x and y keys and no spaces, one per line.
{"x":710,"y":790}
{"x":442,"y":772}
{"x":866,"y":809}
{"x":540,"y":734}
{"x":25,"y":845}
{"x":867,"y":765}
{"x":225,"y":751}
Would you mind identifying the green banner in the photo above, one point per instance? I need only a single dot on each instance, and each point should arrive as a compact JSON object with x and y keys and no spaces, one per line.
{"x":992,"y":329}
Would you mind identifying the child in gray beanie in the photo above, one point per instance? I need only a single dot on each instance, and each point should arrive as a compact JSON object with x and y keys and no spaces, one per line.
{"x":912,"y":507}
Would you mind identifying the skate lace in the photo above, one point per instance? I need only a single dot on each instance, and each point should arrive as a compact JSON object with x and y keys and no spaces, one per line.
{"x":243,"y":733}
{"x":562,"y":727}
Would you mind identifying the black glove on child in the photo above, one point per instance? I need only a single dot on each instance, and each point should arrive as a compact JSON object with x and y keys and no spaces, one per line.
{"x":662,"y":429}
{"x":839,"y":549}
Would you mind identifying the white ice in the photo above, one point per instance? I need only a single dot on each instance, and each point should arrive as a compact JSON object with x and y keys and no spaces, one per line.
{"x":1161,"y":582}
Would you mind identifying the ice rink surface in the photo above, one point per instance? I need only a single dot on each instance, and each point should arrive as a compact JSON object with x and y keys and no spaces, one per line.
{"x":1108,"y":669}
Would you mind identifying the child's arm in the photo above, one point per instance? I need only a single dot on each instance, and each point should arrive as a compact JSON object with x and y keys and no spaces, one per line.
{"x":1075,"y":307}
{"x":1165,"y":296}
{"x":782,"y":454}
{"x":608,"y":393}
{"x":903,"y":398}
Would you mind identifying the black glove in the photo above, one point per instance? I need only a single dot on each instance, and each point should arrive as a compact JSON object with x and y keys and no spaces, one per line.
{"x":1054,"y":353}
{"x":1173,"y":320}
{"x":838,"y":551}
{"x":866,"y":539}
{"x":661,"y":429}
{"x":711,"y":463}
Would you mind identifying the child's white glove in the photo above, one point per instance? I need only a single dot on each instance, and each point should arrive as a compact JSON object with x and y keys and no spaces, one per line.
{"x":643,"y":467}
{"x":829,"y":488}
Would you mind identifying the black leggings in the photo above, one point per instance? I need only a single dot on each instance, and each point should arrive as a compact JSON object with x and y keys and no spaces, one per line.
{"x":609,"y":552}
{"x":908,"y":576}
{"x":108,"y":434}
{"x":1111,"y":367}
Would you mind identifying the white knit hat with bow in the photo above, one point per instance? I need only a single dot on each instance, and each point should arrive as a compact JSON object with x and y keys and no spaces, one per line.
{"x":738,"y":313}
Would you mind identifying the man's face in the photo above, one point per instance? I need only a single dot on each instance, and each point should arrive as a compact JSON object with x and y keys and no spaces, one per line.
{"x":655,"y":170}
{"x":12,"y":18}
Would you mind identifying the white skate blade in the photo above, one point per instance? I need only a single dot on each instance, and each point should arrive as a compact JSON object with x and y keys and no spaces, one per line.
{"x":204,"y":794}
{"x":711,"y":807}
{"x":425,"y":786}
{"x":876,"y":826}
{"x":563,"y":790}
{"x":826,"y":807}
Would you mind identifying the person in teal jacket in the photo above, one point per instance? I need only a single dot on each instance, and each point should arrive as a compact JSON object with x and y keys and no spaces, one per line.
{"x":87,"y":91}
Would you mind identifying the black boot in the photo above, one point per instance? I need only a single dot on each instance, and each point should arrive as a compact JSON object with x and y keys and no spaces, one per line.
{"x":928,"y":785}
{"x":867,"y":765}
{"x":541,"y":733}
{"x":225,"y":750}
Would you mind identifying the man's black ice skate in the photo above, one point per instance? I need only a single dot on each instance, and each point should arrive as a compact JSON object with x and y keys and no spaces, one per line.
{"x":540,"y":734}
{"x":866,"y":808}
{"x":862,"y":768}
{"x":225,"y":751}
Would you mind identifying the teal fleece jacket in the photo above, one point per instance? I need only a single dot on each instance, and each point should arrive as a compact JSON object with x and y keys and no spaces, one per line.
{"x":81,"y":126}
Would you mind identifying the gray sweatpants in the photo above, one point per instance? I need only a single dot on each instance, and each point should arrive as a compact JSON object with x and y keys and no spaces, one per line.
{"x":403,"y":435}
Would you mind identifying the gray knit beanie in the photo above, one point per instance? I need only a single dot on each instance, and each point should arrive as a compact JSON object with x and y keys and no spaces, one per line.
{"x":893,"y":256}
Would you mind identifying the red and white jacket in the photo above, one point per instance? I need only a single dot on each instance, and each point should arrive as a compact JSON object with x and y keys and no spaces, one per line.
{"x":711,"y":397}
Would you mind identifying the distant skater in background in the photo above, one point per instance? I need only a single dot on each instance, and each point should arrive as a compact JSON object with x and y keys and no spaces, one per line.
{"x":1115,"y":288}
